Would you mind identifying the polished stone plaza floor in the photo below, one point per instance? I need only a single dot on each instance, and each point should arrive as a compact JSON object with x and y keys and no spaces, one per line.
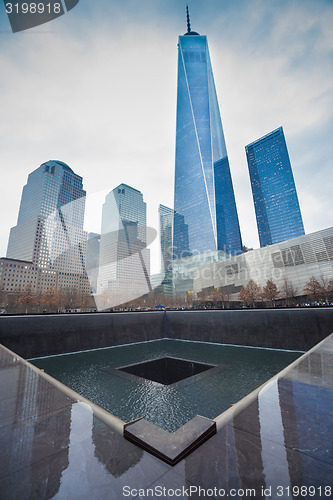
{"x":55,"y":444}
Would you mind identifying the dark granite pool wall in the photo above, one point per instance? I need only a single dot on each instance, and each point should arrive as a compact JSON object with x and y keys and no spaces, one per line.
{"x":298,"y":329}
{"x":31,"y":336}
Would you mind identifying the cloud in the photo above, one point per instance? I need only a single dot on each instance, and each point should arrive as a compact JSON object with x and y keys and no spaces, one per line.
{"x":105,"y":105}
{"x":278,"y":72}
{"x":97,"y":89}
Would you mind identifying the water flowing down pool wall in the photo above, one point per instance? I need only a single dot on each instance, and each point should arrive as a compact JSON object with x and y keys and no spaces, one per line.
{"x":33,"y":336}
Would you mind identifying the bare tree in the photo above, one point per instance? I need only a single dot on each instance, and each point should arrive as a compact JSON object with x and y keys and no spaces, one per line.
{"x":313,"y":289}
{"x":51,"y":298}
{"x":227,"y":294}
{"x":326,"y":287}
{"x":330,"y":287}
{"x":318,"y":289}
{"x":86,"y":301}
{"x":189,"y":298}
{"x":250,"y":293}
{"x":288,"y":290}
{"x":168,"y":300}
{"x":3,"y":298}
{"x":215,"y":296}
{"x":270,"y":292}
{"x":180,"y":301}
{"x":223,"y":294}
{"x":26,"y":297}
{"x":104,"y":300}
{"x":38,"y":301}
{"x":70,"y":298}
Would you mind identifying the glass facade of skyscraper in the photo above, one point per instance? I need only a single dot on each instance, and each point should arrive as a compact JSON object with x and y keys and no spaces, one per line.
{"x":204,"y":194}
{"x":124,"y":262}
{"x":166,"y":216}
{"x":49,"y":231}
{"x":274,"y":193}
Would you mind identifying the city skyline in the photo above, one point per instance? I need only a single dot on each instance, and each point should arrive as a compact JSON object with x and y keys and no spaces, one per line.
{"x":261,"y":56}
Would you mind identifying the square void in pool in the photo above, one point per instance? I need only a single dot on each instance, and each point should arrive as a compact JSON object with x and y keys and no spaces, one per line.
{"x":167,"y":370}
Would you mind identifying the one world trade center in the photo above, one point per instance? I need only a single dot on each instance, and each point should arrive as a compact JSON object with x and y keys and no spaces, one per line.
{"x":205,"y":210}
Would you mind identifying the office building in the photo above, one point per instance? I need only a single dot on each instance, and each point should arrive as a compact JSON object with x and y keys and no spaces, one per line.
{"x":166,"y":216}
{"x":204,"y":194}
{"x":92,"y":261}
{"x":124,"y":262}
{"x":274,"y":193}
{"x":290,"y":264}
{"x":49,"y":231}
{"x":187,"y":270}
{"x":16,"y":275}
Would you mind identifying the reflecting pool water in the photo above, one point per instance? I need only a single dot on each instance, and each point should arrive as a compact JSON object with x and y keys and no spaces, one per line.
{"x":93,"y":375}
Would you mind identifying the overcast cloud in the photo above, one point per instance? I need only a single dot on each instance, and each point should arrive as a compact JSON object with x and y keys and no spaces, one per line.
{"x":96,"y":89}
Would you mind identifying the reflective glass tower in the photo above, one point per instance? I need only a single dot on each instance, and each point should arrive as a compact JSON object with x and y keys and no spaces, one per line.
{"x":166,"y":216}
{"x":204,"y":194}
{"x":124,"y":260}
{"x":274,"y":193}
{"x":49,"y":230}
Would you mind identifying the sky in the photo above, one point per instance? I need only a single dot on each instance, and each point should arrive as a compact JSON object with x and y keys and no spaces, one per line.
{"x":96,"y":88}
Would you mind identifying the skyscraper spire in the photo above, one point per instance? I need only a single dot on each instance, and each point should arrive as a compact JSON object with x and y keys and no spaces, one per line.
{"x":189,"y":32}
{"x":188,"y":20}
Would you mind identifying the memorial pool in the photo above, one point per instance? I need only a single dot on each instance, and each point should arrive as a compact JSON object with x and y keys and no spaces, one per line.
{"x":234,"y":371}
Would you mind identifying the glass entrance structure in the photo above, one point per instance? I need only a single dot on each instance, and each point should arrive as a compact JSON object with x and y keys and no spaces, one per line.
{"x":204,"y":194}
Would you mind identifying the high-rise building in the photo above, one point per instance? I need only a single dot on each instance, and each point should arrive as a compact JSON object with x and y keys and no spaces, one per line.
{"x":49,"y":231}
{"x":124,"y":262}
{"x":274,"y":193}
{"x":204,"y":194}
{"x":166,"y":216}
{"x":92,"y":260}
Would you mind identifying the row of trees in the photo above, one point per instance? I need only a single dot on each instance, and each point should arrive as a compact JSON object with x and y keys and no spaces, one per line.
{"x":71,"y":299}
{"x":319,"y":290}
{"x":51,"y":300}
{"x":314,"y":289}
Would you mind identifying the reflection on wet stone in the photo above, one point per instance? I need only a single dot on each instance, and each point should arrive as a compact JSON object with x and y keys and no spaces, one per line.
{"x":55,"y":447}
